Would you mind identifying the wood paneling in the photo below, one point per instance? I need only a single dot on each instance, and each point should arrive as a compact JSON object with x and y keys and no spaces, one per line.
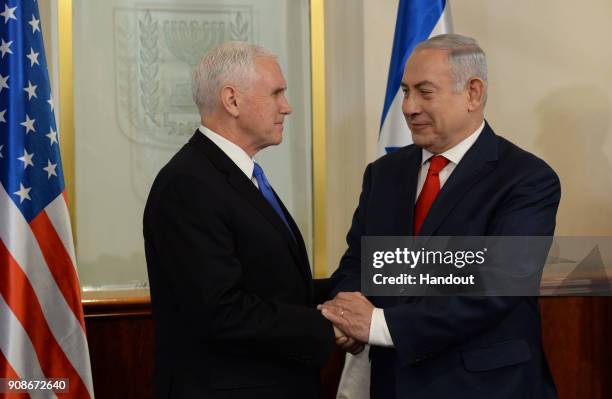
{"x":576,"y":333}
{"x":120,"y":335}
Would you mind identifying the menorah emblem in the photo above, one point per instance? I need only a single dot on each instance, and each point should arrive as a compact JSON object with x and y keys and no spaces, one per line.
{"x":188,"y":41}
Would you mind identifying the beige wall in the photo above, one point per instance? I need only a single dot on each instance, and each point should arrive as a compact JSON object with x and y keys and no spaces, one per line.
{"x":48,"y":15}
{"x":358,"y":45}
{"x":346,"y":152}
{"x":550,"y":78}
{"x":550,"y":66}
{"x":44,"y":8}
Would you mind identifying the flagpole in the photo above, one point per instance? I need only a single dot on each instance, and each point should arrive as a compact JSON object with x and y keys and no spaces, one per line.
{"x":66,"y":101}
{"x":319,"y":148}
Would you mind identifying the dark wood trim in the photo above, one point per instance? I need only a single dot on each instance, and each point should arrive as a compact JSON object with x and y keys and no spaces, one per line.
{"x":116,"y":303}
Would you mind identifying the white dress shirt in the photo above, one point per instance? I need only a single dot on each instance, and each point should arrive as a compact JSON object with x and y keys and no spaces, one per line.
{"x":244,"y":162}
{"x":379,"y":331}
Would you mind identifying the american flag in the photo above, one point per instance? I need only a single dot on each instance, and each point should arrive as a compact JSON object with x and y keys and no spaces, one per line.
{"x":42,"y":330}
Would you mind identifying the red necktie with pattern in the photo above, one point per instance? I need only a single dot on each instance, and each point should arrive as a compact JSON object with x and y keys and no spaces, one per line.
{"x":429,"y":192}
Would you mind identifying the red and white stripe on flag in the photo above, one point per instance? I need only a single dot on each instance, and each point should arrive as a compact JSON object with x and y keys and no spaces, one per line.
{"x":42,"y":330}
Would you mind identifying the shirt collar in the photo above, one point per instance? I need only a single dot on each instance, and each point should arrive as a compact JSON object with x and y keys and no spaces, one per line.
{"x":234,"y":152}
{"x":456,"y":153}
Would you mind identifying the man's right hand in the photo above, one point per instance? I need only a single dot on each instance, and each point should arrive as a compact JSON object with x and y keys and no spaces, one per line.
{"x":347,"y":343}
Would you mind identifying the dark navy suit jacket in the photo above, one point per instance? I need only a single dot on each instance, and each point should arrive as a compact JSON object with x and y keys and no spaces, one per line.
{"x":232,"y":294}
{"x":460,"y":347}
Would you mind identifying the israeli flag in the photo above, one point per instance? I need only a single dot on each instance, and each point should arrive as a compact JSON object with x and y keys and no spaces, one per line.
{"x":417,"y":20}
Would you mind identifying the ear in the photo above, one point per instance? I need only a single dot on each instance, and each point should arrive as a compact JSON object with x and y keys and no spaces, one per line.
{"x":229,"y":100}
{"x":475,"y":93}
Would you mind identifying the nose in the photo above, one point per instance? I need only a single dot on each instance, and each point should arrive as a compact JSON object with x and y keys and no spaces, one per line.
{"x":285,"y":108}
{"x":410,"y":106}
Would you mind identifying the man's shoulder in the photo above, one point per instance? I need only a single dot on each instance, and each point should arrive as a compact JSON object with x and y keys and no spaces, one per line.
{"x":519,"y":160}
{"x":189,"y":168}
{"x":522,"y":171}
{"x":398,"y":157}
{"x":187,"y":160}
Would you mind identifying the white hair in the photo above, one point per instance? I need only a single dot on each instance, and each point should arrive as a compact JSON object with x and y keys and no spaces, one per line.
{"x":465,"y":56}
{"x":227,"y":63}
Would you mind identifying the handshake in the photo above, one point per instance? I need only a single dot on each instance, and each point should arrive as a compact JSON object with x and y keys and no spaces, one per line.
{"x":351,"y":315}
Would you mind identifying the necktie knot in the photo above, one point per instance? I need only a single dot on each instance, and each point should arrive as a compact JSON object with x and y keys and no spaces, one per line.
{"x":258,"y":172}
{"x":437,"y":163}
{"x":260,"y":176}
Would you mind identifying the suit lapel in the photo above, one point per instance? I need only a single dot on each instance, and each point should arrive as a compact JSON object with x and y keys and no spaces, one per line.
{"x":477,"y":163}
{"x":247,"y":190}
{"x":299,"y":241}
{"x":404,"y":218}
{"x":397,"y":210}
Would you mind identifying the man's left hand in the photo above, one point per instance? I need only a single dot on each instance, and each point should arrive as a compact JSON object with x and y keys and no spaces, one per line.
{"x":351,"y":312}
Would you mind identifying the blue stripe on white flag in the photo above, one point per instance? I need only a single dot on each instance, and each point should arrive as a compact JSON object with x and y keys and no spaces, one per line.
{"x":417,"y":20}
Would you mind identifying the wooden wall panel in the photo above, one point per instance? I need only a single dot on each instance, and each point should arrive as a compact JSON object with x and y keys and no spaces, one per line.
{"x":576,"y":333}
{"x":121,"y":351}
{"x":120,"y":333}
{"x":120,"y":337}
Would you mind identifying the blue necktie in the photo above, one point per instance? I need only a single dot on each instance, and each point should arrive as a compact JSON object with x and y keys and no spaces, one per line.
{"x":268,"y":194}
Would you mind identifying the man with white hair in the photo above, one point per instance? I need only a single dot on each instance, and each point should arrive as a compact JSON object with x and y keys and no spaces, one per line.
{"x":231,"y":289}
{"x":458,"y":179}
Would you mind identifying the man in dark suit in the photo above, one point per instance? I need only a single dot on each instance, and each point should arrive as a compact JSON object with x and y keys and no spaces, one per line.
{"x":231,"y":288}
{"x":458,"y":179}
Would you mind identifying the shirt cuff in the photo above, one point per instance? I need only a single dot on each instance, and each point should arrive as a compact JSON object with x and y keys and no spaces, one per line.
{"x":379,"y":331}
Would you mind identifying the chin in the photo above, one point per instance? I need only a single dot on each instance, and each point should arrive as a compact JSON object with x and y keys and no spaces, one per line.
{"x":421,"y":141}
{"x":275,"y":141}
{"x":278,"y":139}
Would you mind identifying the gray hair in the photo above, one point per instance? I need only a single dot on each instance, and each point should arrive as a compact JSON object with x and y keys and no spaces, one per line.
{"x":465,"y":56}
{"x":227,"y":63}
